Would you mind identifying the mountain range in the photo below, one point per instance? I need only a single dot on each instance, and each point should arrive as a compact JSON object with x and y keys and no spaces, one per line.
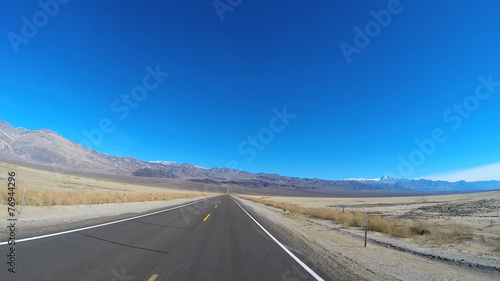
{"x":46,"y":147}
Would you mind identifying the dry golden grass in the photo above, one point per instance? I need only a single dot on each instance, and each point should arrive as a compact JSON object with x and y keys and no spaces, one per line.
{"x":41,"y":197}
{"x":48,"y":188}
{"x":450,"y":234}
{"x":469,"y":230}
{"x":394,"y":227}
{"x":31,"y":178}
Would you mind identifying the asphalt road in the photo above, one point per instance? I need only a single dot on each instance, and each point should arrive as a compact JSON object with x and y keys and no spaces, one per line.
{"x":211,"y":240}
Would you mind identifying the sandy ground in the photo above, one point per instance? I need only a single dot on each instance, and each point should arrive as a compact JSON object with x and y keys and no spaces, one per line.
{"x":337,"y":248}
{"x":36,"y":220}
{"x":344,"y":256}
{"x":473,"y":216}
{"x":47,"y":180}
{"x":50,"y":219}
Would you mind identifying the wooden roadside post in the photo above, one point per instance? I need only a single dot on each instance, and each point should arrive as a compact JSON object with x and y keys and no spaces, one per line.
{"x":22,"y":201}
{"x":366,"y":229}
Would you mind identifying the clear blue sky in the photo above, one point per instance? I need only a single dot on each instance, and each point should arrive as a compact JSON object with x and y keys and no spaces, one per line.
{"x":352,"y":119}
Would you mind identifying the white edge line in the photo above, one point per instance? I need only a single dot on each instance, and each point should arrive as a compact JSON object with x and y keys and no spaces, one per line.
{"x":103,"y":224}
{"x":307,"y":268}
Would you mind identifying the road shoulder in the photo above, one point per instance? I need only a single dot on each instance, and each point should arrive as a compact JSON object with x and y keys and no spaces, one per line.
{"x":35,"y":221}
{"x":344,"y":257}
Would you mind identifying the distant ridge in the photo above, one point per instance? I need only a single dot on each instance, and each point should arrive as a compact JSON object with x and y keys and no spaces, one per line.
{"x":386,"y":182}
{"x":46,"y":147}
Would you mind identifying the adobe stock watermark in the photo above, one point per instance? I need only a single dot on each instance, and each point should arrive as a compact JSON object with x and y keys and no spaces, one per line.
{"x":123,"y":105}
{"x":223,"y":6}
{"x":362,"y":37}
{"x":254,"y":144}
{"x":30,"y":27}
{"x":455,"y":116}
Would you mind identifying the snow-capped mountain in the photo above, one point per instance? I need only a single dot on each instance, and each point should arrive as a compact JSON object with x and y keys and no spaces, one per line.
{"x":174,"y":164}
{"x":362,"y":179}
{"x":384,"y":179}
{"x":163,"y":162}
{"x":386,"y":182}
{"x":49,"y":148}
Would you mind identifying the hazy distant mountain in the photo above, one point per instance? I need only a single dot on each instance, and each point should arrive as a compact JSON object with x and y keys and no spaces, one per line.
{"x":423,"y":184}
{"x":242,"y":178}
{"x":49,"y":148}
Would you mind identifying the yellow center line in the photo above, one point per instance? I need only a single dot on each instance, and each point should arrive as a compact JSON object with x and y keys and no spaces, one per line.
{"x":206,"y":218}
{"x":153,"y":277}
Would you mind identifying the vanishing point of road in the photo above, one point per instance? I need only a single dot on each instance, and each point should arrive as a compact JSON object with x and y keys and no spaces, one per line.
{"x":209,"y":239}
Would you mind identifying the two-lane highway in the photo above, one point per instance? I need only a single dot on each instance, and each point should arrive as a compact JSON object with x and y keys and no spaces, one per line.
{"x":214,"y":239}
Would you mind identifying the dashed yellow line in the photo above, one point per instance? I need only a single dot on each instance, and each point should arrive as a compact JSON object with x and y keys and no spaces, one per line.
{"x":153,"y":277}
{"x":206,"y":218}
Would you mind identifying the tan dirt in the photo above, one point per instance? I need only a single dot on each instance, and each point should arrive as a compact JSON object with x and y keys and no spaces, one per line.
{"x":375,"y":262}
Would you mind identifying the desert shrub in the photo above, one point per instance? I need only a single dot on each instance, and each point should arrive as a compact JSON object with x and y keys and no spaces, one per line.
{"x":420,"y":228}
{"x":394,"y":227}
{"x":38,"y":197}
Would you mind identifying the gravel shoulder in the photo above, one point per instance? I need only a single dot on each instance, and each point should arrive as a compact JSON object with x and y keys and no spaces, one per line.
{"x":342,"y":255}
{"x":36,"y":221}
{"x":332,"y":252}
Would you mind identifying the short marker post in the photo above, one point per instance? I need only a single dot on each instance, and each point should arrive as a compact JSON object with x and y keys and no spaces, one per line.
{"x":366,"y":230}
{"x":22,"y":201}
